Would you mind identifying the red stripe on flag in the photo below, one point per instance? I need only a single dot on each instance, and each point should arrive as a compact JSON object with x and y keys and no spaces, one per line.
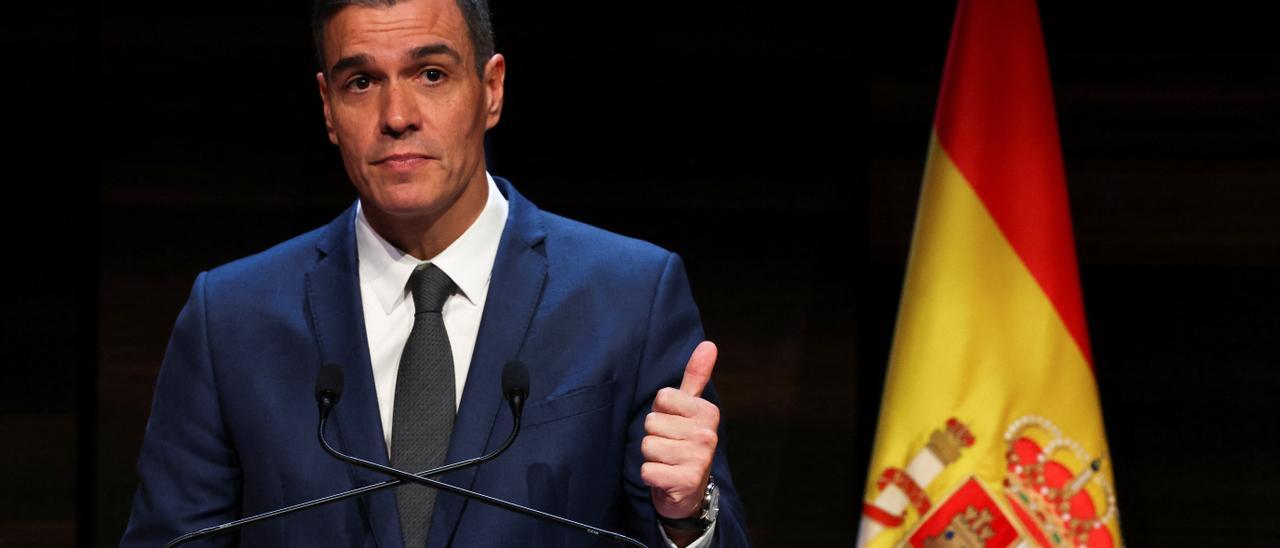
{"x":996,"y":121}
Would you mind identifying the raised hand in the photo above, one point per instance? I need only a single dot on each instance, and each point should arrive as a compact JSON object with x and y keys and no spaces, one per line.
{"x":681,"y":439}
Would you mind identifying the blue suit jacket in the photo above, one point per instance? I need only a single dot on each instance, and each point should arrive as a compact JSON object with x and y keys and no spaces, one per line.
{"x":602,"y":322}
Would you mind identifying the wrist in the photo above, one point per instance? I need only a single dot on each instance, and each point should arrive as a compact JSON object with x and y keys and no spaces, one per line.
{"x":702,"y":517}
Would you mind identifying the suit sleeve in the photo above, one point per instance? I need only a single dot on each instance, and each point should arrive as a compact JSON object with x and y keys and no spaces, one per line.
{"x":674,"y":330}
{"x":188,"y":471}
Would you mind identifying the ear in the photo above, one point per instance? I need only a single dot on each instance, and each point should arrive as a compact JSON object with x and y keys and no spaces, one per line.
{"x":328,"y":113}
{"x":495,"y":74}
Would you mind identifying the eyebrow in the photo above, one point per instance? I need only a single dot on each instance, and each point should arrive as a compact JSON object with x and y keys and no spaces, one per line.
{"x":350,"y":62}
{"x":363,"y":60}
{"x":435,"y":49}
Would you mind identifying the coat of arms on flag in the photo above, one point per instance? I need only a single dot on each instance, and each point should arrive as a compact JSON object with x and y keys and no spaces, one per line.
{"x":1045,"y":500}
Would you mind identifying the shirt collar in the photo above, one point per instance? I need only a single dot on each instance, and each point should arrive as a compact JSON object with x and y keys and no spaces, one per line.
{"x":468,"y":261}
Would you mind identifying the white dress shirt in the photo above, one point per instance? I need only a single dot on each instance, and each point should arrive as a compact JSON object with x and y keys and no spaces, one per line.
{"x":388,"y":305}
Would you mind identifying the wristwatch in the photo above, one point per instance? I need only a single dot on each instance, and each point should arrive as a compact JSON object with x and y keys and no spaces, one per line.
{"x":704,"y":519}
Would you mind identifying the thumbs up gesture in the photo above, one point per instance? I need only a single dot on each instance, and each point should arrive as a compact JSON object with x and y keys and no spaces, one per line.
{"x":681,"y":439}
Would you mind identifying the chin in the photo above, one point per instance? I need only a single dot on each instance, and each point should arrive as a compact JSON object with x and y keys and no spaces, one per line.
{"x":410,"y":200}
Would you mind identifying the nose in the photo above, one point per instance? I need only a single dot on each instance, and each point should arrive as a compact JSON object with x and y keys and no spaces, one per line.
{"x":400,"y":114}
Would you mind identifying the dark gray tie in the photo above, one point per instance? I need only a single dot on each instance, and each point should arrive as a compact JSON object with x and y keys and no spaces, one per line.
{"x":422,"y":420}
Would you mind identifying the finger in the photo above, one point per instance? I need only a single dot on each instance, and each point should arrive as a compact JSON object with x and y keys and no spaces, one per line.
{"x":704,"y":414}
{"x":666,"y":451}
{"x":658,"y":475}
{"x":669,"y":426}
{"x":691,"y":431}
{"x":675,"y":402}
{"x":698,"y":371}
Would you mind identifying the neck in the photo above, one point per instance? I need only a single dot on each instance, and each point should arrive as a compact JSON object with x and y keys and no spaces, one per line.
{"x":425,"y":236}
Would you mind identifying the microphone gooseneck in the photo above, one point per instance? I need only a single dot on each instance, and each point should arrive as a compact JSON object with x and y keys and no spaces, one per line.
{"x":515,"y":381}
{"x":329,"y":384}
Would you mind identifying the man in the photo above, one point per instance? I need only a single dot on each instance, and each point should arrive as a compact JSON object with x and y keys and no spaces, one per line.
{"x":422,"y":291}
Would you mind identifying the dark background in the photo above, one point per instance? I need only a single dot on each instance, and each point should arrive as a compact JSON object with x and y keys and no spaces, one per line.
{"x":778,"y":148}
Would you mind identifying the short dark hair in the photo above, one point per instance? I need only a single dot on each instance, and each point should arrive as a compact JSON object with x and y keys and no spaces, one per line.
{"x":474,"y":12}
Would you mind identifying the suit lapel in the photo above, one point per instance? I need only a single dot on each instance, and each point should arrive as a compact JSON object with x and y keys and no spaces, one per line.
{"x":333,"y":300}
{"x":519,"y":272}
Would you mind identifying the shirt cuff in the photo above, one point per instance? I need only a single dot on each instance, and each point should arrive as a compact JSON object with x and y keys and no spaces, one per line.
{"x":703,"y":541}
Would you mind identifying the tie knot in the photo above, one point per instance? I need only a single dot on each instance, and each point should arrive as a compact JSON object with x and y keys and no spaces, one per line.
{"x":430,"y":287}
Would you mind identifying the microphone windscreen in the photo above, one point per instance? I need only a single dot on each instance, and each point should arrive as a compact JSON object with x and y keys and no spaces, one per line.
{"x":515,"y":379}
{"x":329,"y":380}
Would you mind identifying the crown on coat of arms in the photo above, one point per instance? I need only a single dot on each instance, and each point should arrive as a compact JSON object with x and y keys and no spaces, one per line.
{"x":1047,"y":495}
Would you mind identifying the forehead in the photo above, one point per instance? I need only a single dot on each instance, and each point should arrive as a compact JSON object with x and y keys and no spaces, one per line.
{"x":394,"y":30}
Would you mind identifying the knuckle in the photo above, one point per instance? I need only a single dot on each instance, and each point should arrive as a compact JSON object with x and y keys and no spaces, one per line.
{"x":712,"y":412}
{"x":663,"y":399}
{"x":649,"y":473}
{"x":706,"y":437}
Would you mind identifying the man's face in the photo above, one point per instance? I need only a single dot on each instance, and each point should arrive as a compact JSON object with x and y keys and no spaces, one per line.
{"x":404,"y":104}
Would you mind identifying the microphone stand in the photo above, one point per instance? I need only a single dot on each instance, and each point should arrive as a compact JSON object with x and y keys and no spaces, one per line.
{"x":492,"y":501}
{"x":324,"y":411}
{"x":329,"y":389}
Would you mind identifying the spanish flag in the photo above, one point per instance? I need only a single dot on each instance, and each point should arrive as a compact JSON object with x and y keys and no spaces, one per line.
{"x":990,"y":430}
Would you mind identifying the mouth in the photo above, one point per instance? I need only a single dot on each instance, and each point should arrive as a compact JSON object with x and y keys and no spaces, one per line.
{"x":403,"y":161}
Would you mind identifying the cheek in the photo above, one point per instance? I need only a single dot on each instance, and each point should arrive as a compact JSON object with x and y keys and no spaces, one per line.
{"x":353,"y":141}
{"x":349,"y":121}
{"x":343,"y":129}
{"x":463,"y":129}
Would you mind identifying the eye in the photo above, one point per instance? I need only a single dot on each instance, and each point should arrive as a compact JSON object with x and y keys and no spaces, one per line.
{"x":433,"y":75}
{"x":360,"y":83}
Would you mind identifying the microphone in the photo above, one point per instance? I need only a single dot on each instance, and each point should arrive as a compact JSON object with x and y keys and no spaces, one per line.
{"x":329,"y":388}
{"x":329,"y":384}
{"x":515,"y":386}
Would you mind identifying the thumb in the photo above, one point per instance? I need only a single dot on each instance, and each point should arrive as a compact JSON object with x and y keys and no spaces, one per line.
{"x":698,"y":372}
